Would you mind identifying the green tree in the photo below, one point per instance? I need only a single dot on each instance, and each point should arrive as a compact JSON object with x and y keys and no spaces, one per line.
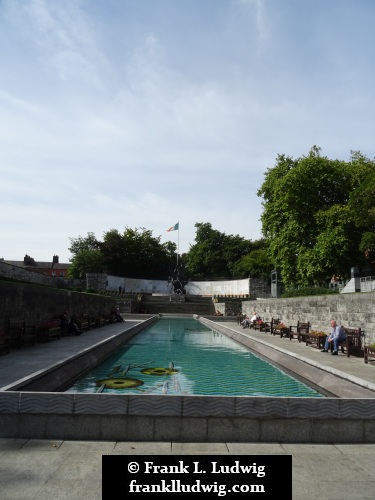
{"x":135,"y":253}
{"x":144,"y":256}
{"x":87,"y":257}
{"x":362,"y":206}
{"x":256,"y":264}
{"x":214,"y":253}
{"x":79,"y":244}
{"x":306,"y":216}
{"x":86,"y":261}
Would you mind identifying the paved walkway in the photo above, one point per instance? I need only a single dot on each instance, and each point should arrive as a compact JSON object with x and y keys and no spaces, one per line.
{"x":353,"y":369}
{"x":45,"y":469}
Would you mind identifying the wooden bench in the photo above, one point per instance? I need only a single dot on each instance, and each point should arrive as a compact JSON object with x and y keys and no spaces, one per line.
{"x":369,"y":353}
{"x":299,"y":331}
{"x":4,"y":344}
{"x":353,"y":343}
{"x":258,"y":325}
{"x":4,"y":340}
{"x":83,"y":324}
{"x":317,"y":341}
{"x":48,"y":330}
{"x":270,"y":326}
{"x":240,"y":318}
{"x":100,"y":320}
{"x":29,"y":334}
{"x":282,"y":331}
{"x":14,"y":331}
{"x":92,"y":321}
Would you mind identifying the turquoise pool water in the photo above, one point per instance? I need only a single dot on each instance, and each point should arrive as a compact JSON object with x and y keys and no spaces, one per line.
{"x":182,"y":356}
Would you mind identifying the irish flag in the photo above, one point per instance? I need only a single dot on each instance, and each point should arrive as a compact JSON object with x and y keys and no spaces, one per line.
{"x":174,"y":228}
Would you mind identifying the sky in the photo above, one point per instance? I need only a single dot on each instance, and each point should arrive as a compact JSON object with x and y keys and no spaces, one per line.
{"x":145,"y":113}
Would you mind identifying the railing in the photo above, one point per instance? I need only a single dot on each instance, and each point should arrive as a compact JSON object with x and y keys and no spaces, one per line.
{"x":338,"y":284}
{"x":368,"y":284}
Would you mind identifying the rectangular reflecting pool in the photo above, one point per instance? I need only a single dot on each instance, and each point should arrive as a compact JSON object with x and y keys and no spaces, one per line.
{"x":181,"y":356}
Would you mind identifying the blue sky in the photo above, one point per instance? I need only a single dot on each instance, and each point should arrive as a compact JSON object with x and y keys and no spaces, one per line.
{"x":144,"y":113}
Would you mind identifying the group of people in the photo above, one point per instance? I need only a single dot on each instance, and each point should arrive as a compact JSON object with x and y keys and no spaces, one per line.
{"x":336,"y":337}
{"x":70,"y":325}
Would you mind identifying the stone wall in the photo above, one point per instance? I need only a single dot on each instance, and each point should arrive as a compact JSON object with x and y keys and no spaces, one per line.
{"x":259,"y":287}
{"x":224,"y":287}
{"x":134,"y":285}
{"x":20,"y":274}
{"x":37,"y":302}
{"x":355,"y":310}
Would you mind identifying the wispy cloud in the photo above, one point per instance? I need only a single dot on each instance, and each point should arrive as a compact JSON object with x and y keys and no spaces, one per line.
{"x":139,"y":114}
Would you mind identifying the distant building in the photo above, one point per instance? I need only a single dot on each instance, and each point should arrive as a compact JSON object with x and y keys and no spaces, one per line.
{"x":54,"y":268}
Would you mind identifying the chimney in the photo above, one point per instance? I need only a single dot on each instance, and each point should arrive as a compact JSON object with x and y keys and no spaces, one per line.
{"x":55,"y":259}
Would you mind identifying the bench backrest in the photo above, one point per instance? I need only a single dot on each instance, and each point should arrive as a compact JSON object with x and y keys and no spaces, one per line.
{"x":356,"y":332}
{"x":15,"y":327}
{"x":353,"y":340}
{"x":355,"y":335}
{"x":16,"y":324}
{"x":274,"y":322}
{"x":303,"y":328}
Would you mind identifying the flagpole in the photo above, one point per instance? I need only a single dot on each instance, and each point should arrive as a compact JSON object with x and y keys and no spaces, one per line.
{"x":176,"y":227}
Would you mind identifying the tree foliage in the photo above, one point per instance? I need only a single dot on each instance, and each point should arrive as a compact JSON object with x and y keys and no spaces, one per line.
{"x":135,"y":253}
{"x":312,"y":216}
{"x":87,"y":257}
{"x":257,"y":263}
{"x":216,"y":254}
{"x":86,"y":261}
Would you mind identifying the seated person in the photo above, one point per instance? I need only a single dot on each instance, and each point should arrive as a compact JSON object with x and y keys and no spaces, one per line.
{"x":218,"y":313}
{"x":118,"y":316}
{"x":73,"y":326}
{"x":64,"y":323}
{"x":249,"y":321}
{"x":245,"y":322}
{"x":336,"y":337}
{"x":69,"y":326}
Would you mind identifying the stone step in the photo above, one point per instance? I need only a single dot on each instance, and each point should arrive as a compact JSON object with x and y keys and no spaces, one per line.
{"x":154,"y":304}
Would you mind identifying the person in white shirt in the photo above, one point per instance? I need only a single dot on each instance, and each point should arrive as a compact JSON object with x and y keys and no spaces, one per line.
{"x":247,"y":322}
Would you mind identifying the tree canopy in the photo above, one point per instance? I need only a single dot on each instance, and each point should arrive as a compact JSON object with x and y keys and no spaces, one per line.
{"x":135,"y":253}
{"x":313,"y":219}
{"x":216,"y":254}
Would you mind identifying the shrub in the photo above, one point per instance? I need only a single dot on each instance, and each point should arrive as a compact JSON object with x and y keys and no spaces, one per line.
{"x":306,"y":291}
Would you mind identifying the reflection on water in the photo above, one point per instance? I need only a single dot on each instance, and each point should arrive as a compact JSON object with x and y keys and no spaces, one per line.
{"x":182,"y":356}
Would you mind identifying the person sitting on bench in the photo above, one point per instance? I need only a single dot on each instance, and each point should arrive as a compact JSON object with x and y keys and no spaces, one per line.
{"x":337,"y":336}
{"x":248,"y":321}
